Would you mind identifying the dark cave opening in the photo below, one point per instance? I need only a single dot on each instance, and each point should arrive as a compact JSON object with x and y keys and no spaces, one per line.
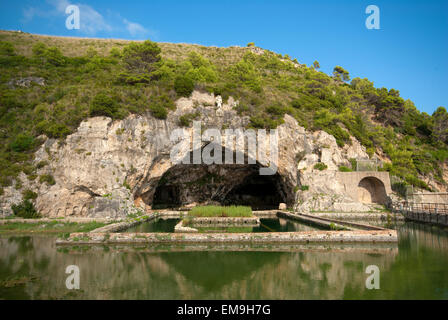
{"x":166,"y":197}
{"x":227,"y":185}
{"x":256,"y":191}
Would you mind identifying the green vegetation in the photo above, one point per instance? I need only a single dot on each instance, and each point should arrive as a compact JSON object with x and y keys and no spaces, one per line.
{"x":25,"y":209}
{"x":29,"y":194}
{"x":320,"y":166}
{"x":186,"y":119}
{"x":61,"y":227}
{"x":48,"y":179}
{"x":218,"y":211}
{"x":336,"y":227}
{"x":115,"y":78}
{"x":345,"y":169}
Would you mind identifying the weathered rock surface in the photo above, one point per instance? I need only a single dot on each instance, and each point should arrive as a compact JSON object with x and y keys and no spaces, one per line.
{"x":110,"y":169}
{"x":26,"y":82}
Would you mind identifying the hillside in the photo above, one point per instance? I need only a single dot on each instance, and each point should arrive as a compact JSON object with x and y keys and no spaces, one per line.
{"x":71,"y":79}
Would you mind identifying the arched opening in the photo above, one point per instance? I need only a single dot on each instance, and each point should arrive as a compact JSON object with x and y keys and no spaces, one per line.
{"x":258,"y":192}
{"x":224,"y":184}
{"x":372,"y":190}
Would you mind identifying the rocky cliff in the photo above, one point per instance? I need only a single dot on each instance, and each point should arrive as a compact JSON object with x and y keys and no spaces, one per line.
{"x":112,"y":168}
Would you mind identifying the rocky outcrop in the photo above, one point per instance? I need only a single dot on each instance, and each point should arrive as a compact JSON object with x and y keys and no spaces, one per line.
{"x":110,"y":169}
{"x":26,"y":82}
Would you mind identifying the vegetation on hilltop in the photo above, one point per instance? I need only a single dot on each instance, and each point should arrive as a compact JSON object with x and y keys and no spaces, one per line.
{"x":88,"y":77}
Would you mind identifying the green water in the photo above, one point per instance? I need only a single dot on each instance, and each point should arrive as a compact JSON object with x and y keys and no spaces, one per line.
{"x":416,"y":268}
{"x":267,"y":225}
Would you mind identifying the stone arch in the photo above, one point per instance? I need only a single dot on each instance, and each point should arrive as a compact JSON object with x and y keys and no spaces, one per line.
{"x":372,"y":190}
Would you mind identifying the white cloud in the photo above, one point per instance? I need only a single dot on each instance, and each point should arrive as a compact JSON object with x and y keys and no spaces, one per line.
{"x":91,"y":20}
{"x":135,"y":29}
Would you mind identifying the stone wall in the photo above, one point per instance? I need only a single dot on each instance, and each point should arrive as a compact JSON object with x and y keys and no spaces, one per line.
{"x":436,"y":197}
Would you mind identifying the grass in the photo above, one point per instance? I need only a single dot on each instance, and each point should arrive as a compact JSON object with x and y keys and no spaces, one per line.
{"x":225,"y":229}
{"x":220,"y":211}
{"x":17,"y":281}
{"x":49,"y":227}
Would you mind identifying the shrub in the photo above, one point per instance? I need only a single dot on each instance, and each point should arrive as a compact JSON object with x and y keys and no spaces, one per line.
{"x":115,"y":52}
{"x":304,"y":188}
{"x":39,"y":49}
{"x":41,"y":164}
{"x":6,"y":48}
{"x":104,"y":105}
{"x":158,"y":111}
{"x":353,"y":163}
{"x":183,"y":86}
{"x":276,"y":110}
{"x":400,"y":188}
{"x":25,"y":210}
{"x":186,"y":119}
{"x":53,"y":129}
{"x":320,"y":166}
{"x":48,"y":179}
{"x":259,"y":122}
{"x":29,"y":195}
{"x":22,"y":142}
{"x":345,"y":169}
{"x":54,"y":57}
{"x":50,"y":55}
{"x":160,"y":106}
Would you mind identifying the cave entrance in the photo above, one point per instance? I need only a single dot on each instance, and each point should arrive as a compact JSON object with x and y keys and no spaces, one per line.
{"x":187,"y":184}
{"x":372,"y":190}
{"x":167,"y":197}
{"x":256,"y":191}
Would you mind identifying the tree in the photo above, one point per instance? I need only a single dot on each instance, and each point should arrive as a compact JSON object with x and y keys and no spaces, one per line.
{"x":440,"y":119}
{"x":141,"y":59}
{"x":316,"y":65}
{"x":22,"y":142}
{"x":104,"y":105}
{"x":340,"y":73}
{"x":183,"y":86}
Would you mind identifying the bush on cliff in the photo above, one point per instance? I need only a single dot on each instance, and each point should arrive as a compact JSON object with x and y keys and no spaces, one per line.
{"x":183,"y":86}
{"x":25,"y":210}
{"x":104,"y":105}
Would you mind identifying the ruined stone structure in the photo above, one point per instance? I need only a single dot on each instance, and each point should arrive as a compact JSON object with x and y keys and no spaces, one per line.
{"x":434,"y":197}
{"x":366,"y":186}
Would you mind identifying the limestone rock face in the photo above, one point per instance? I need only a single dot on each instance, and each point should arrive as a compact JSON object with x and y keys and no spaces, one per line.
{"x":112,"y":168}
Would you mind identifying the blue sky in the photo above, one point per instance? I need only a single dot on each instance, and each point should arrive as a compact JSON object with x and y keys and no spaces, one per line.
{"x":408,"y":53}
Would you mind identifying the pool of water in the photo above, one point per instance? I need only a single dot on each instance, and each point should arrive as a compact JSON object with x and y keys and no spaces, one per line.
{"x":267,"y":225}
{"x":33,"y":267}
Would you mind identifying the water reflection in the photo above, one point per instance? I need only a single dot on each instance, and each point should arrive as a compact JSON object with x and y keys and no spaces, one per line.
{"x":414,"y":270}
